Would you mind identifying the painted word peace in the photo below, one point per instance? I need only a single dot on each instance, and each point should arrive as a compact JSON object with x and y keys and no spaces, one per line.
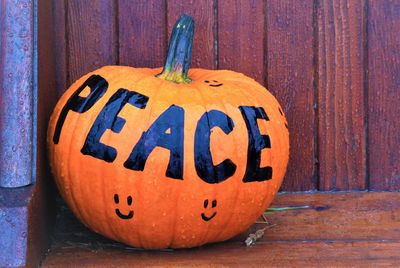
{"x":167,"y":131}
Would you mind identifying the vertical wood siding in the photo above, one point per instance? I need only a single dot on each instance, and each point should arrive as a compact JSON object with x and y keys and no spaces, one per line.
{"x":202,"y":12}
{"x":290,"y":77}
{"x":340,"y":96}
{"x":383,"y":91}
{"x":333,"y":65}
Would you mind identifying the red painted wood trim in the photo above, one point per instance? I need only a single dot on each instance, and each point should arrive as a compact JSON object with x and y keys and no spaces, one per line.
{"x":142,"y":33}
{"x":91,"y":39}
{"x":384,"y":94}
{"x":290,"y":77}
{"x":241,"y":37}
{"x":341,"y":136}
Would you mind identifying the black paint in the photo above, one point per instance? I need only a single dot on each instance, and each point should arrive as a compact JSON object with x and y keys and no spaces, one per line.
{"x":118,"y":212}
{"x":123,"y":216}
{"x":171,"y":120}
{"x":202,"y":155}
{"x":213,"y":204}
{"x":108,"y":119}
{"x":129,"y":200}
{"x":257,"y":143}
{"x":213,"y":85}
{"x":98,"y":86}
{"x":203,"y":215}
{"x":206,"y":218}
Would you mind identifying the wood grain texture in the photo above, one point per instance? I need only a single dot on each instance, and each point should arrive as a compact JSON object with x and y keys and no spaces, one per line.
{"x":241,"y":37}
{"x":287,"y":254}
{"x":142,"y":33}
{"x":340,"y":100}
{"x":342,"y":229}
{"x":60,"y":46}
{"x":290,"y":79}
{"x":384,"y":94}
{"x":352,"y":216}
{"x":203,"y":41}
{"x":341,"y":134}
{"x":41,"y":209}
{"x":90,"y":36}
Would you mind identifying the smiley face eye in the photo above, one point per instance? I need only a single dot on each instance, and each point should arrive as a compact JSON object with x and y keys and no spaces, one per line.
{"x":128,"y":199}
{"x":213,"y":204}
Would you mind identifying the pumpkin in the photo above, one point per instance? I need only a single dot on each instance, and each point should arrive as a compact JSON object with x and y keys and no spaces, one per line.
{"x":168,"y":158}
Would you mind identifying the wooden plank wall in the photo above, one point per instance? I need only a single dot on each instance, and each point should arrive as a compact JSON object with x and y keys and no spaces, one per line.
{"x":333,"y":65}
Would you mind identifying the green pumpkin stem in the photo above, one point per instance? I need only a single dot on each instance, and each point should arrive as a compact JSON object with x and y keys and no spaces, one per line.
{"x":179,"y":51}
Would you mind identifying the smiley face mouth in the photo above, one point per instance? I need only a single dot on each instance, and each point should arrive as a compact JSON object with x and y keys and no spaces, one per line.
{"x":217,"y":85}
{"x":205,"y":218}
{"x":123,"y":216}
{"x":213,"y":85}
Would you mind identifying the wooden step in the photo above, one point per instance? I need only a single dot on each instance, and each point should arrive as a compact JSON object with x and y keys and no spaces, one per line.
{"x":338,"y":229}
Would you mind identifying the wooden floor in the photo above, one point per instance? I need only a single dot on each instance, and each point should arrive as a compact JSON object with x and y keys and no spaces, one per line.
{"x":340,"y":230}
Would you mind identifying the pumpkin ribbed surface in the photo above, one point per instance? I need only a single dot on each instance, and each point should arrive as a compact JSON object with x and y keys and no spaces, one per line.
{"x":171,"y":157}
{"x":166,"y":211}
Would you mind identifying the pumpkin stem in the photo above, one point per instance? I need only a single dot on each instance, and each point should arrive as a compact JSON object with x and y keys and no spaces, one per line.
{"x":179,"y":51}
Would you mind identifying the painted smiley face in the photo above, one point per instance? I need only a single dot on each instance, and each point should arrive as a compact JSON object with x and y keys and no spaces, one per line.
{"x":118,"y":212}
{"x":213,"y":205}
{"x":213,"y":83}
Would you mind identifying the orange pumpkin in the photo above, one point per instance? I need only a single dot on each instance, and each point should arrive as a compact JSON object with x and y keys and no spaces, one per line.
{"x":177,"y":160}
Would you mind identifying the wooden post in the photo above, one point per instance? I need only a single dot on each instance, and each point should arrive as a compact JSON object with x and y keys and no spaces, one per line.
{"x":23,"y":198}
{"x":18,"y":93}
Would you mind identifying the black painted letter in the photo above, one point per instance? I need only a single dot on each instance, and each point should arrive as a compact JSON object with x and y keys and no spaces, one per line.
{"x":98,"y":86}
{"x":108,"y":119}
{"x":202,"y":155}
{"x":167,"y":132}
{"x":257,"y":142}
